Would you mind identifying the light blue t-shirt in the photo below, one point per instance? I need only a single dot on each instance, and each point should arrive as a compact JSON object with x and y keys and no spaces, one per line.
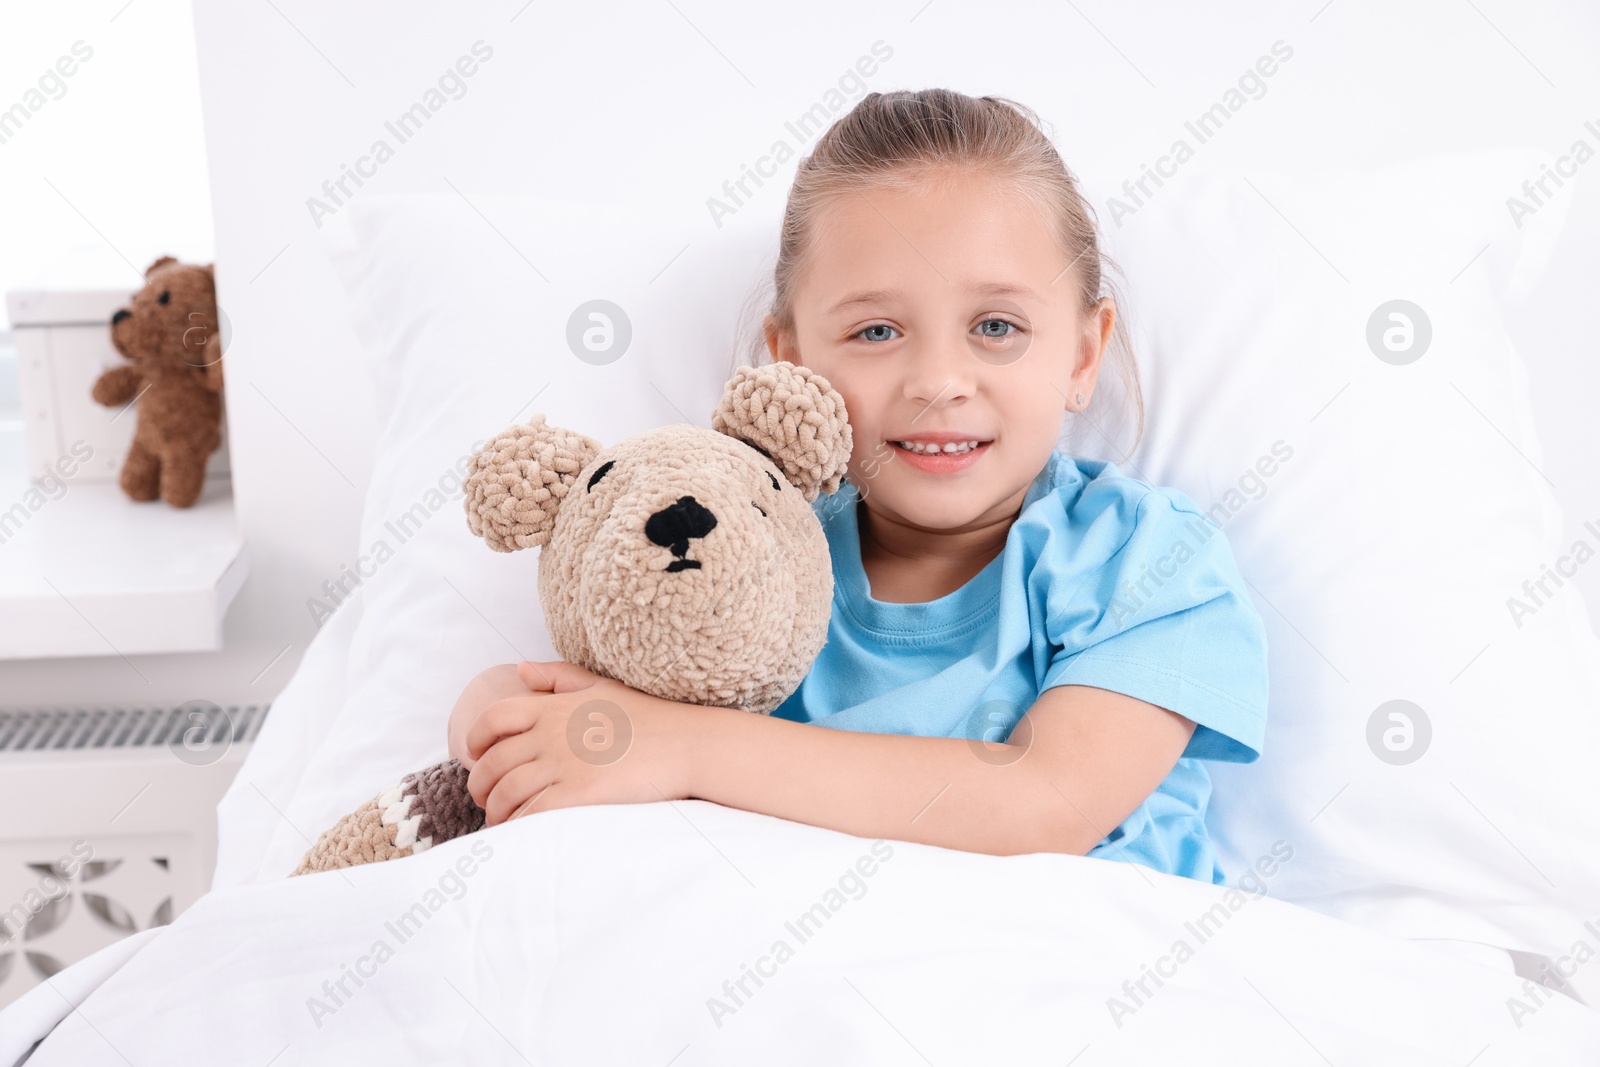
{"x":1104,"y":581}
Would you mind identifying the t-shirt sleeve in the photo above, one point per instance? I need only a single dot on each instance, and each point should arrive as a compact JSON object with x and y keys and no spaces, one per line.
{"x":1161,"y":613}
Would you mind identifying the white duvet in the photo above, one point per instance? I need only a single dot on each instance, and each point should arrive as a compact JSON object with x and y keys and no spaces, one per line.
{"x":687,"y":933}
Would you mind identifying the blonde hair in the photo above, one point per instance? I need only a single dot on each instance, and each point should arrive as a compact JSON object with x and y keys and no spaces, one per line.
{"x":902,"y":138}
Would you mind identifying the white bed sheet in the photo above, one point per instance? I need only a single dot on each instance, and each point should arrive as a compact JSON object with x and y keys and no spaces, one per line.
{"x":602,"y":935}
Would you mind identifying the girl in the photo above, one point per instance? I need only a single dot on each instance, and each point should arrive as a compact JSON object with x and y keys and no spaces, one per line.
{"x":1028,"y":652}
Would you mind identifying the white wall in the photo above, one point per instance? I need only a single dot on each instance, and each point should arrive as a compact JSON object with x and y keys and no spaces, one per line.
{"x":114,"y":152}
{"x":580,"y":102}
{"x":114,"y":155}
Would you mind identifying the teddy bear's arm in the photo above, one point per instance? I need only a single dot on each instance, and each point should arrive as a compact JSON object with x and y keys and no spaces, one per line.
{"x":116,"y":386}
{"x":211,"y":379}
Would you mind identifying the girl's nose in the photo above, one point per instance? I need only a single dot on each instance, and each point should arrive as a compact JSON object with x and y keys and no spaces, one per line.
{"x":941,"y":371}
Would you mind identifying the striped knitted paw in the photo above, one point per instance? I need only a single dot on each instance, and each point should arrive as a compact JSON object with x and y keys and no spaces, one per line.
{"x":421,"y":810}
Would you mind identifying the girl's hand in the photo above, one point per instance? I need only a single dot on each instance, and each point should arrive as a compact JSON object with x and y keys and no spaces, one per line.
{"x":576,"y":738}
{"x":494,"y":684}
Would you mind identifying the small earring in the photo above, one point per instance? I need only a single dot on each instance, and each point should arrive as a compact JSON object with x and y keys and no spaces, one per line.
{"x":1080,"y":400}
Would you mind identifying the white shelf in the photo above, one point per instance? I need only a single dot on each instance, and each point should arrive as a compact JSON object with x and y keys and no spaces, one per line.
{"x":84,"y":571}
{"x":89,"y":572}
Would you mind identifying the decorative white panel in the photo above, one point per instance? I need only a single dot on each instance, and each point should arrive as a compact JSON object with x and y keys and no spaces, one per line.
{"x":61,"y":908}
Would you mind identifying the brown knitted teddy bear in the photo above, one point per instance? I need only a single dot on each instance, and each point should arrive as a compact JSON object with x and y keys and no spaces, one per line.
{"x":684,"y":562}
{"x":170,"y":332}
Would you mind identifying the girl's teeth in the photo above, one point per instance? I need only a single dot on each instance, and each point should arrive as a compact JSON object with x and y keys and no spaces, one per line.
{"x":956,"y":447}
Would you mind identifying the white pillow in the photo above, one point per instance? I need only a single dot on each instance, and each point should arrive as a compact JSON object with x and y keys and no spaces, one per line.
{"x":1382,"y":511}
{"x":1404,"y":510}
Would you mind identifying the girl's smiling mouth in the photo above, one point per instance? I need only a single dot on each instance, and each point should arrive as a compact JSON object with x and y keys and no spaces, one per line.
{"x":944,"y":452}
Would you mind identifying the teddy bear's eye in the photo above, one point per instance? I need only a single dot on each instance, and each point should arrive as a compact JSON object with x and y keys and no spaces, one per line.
{"x":759,"y":508}
{"x":164,"y":298}
{"x":600,"y":472}
{"x":774,"y":482}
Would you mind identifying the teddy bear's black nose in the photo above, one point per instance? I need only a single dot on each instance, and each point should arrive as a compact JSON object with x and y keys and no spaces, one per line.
{"x":675,"y":524}
{"x":120,"y":314}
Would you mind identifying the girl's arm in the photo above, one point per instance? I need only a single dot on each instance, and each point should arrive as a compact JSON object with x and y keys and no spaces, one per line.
{"x":1093,"y":757}
{"x":1080,"y":761}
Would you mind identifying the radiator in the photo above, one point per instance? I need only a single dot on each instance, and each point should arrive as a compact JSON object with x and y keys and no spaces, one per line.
{"x":107,"y":824}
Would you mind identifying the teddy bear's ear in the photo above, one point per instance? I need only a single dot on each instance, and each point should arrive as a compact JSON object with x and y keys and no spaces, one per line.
{"x":792,"y":414}
{"x":518,"y":480}
{"x":158,"y":264}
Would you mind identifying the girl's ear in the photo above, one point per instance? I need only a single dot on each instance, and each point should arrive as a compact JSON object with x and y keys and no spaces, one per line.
{"x":519,"y":479}
{"x":774,"y":337}
{"x":793,"y":415}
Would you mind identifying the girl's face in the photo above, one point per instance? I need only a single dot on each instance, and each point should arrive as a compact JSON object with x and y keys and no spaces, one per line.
{"x":944,"y":313}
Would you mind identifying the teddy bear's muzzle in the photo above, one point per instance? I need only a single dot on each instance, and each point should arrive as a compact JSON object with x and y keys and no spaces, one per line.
{"x":118,"y":340}
{"x":675,"y":525}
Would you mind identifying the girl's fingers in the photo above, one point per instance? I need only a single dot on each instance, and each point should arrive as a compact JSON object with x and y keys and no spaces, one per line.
{"x":518,"y":786}
{"x":502,"y":719}
{"x":481,"y":779}
{"x":501,"y":758}
{"x":537,"y":676}
{"x":555,"y":676}
{"x":526,"y":807}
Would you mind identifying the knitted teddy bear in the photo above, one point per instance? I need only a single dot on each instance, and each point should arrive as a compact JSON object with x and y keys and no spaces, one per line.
{"x":171,"y":334}
{"x":683,"y":562}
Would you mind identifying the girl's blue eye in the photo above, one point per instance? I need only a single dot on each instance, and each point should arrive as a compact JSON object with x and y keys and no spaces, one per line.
{"x":880,"y":332}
